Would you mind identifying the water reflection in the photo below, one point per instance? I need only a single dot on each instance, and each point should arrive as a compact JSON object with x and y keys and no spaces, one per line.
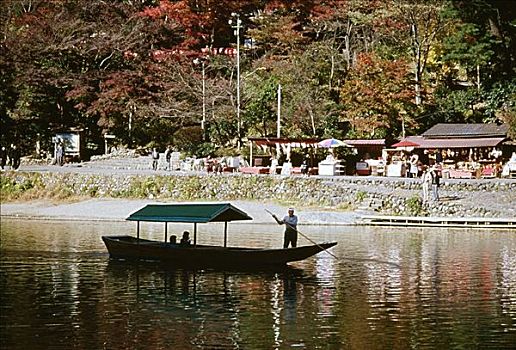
{"x":211,"y":308}
{"x":389,"y":288}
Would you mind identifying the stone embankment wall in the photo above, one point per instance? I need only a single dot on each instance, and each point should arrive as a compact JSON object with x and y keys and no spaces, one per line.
{"x":479,"y":198}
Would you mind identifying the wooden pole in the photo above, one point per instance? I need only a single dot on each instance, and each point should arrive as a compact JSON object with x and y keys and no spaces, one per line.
{"x":166,"y":232}
{"x":310,"y":240}
{"x":195,"y":233}
{"x":225,"y":234}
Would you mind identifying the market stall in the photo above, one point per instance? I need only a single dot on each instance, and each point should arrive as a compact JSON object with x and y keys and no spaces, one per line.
{"x":331,"y":166}
{"x":272,"y":154}
{"x":463,"y":150}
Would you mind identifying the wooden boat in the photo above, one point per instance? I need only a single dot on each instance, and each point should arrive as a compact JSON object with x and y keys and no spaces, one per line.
{"x":128,"y":247}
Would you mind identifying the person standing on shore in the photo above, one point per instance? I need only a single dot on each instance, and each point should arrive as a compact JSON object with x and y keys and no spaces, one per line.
{"x":155,"y":158}
{"x":3,"y":157}
{"x":14,"y":157}
{"x":426,"y":179}
{"x":168,"y":155}
{"x":304,"y":168}
{"x":413,"y":165}
{"x":435,"y":183}
{"x":290,"y":222}
{"x":60,"y":153}
{"x":274,"y":165}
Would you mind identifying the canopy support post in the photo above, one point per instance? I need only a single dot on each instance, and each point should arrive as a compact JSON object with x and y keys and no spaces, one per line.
{"x":166,"y":231}
{"x":138,"y":231}
{"x":195,"y":233}
{"x":225,"y":234}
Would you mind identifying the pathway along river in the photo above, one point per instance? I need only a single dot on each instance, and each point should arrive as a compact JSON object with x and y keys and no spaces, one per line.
{"x":389,"y":289}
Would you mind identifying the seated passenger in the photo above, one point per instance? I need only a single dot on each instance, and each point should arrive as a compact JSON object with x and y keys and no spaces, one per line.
{"x":185,"y":240}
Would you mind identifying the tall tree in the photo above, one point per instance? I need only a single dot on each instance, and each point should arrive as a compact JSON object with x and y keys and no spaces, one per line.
{"x":377,"y":97}
{"x":57,"y":47}
{"x":423,"y":26}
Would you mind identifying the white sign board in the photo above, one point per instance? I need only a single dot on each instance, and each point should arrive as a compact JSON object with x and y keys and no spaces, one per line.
{"x":71,"y":143}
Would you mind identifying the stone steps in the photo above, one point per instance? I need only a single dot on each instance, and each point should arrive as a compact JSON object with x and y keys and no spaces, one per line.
{"x":143,"y":162}
{"x":367,"y":205}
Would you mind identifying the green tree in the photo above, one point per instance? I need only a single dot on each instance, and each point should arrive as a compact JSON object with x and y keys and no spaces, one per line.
{"x":422,"y":27}
{"x":259,"y":116}
{"x":475,"y":82}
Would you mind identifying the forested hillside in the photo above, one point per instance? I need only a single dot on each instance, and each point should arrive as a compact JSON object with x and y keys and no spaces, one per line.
{"x":347,"y":68}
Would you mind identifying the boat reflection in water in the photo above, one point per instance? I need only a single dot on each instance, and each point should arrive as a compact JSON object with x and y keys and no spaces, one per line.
{"x":178,"y":308}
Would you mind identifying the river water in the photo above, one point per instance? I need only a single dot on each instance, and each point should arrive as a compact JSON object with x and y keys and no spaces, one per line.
{"x":388,"y":288}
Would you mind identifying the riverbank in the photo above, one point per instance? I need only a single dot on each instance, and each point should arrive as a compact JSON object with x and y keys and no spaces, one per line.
{"x":119,"y":209}
{"x":348,"y":196}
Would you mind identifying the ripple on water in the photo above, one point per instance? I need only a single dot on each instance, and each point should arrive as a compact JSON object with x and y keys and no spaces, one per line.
{"x":386,"y":289}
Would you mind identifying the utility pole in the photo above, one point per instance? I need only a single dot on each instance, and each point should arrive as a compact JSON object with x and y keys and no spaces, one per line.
{"x":278,"y":133}
{"x":403,"y":113}
{"x":203,"y":121}
{"x":237,"y":27}
{"x":132,"y":109}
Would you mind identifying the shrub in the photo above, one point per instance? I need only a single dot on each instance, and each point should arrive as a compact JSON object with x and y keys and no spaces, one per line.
{"x":360,"y":196}
{"x":414,"y":205}
{"x":16,"y":187}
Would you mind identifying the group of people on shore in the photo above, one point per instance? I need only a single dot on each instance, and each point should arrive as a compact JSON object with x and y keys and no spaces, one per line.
{"x":10,"y":157}
{"x":431,"y":179}
{"x":210,"y":165}
{"x":430,"y":176}
{"x":168,"y":158}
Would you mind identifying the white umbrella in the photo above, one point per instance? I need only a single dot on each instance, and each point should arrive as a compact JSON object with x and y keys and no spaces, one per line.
{"x":332,"y":143}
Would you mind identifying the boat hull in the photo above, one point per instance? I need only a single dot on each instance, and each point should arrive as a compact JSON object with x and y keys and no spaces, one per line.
{"x":128,"y":247}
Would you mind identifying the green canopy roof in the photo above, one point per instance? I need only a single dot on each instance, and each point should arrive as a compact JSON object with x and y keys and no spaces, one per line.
{"x":196,"y":213}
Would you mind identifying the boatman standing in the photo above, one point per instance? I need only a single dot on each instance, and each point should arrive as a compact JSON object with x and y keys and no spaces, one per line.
{"x":290,"y":222}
